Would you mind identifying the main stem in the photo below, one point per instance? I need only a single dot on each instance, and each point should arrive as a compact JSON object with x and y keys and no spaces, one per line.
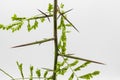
{"x":55,"y":39}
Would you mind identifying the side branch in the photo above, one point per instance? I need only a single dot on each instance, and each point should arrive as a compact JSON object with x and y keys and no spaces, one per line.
{"x":78,"y":58}
{"x":33,"y":43}
{"x":7,"y":74}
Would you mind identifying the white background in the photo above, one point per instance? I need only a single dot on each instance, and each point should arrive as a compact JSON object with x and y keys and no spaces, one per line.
{"x":99,"y":39}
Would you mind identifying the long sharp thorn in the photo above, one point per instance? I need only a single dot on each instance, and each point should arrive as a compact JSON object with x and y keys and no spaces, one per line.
{"x":33,"y":43}
{"x":65,"y":12}
{"x":44,"y":14}
{"x":47,"y":69}
{"x":71,"y":24}
{"x":67,"y":19}
{"x":73,"y":57}
{"x":68,"y":11}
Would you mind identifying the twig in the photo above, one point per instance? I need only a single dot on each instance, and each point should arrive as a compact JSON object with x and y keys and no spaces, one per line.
{"x":28,"y":78}
{"x":7,"y":74}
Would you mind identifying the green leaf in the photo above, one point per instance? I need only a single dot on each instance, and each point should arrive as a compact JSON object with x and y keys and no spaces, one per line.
{"x":71,"y":76}
{"x":50,"y":77}
{"x":29,"y":26}
{"x":62,"y":24}
{"x":2,"y":26}
{"x":12,"y":25}
{"x":90,"y":75}
{"x":42,"y":19}
{"x":14,"y":17}
{"x":63,"y":70}
{"x":61,"y":5}
{"x":19,"y":26}
{"x":50,"y":7}
{"x":68,"y":31}
{"x":45,"y":74}
{"x":20,"y":69}
{"x":13,"y":29}
{"x":62,"y":63}
{"x":82,"y":66}
{"x":74,"y":63}
{"x":38,"y":72}
{"x":31,"y":70}
{"x":68,"y":25}
{"x":35,"y":25}
{"x":96,"y":73}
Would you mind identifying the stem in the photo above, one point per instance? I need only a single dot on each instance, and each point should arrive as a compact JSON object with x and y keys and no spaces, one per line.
{"x":55,"y":39}
{"x":7,"y":74}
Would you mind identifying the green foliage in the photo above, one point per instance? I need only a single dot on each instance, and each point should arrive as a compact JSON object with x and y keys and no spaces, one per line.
{"x":68,"y":25}
{"x":45,"y":73}
{"x":63,"y":70}
{"x":61,"y":5}
{"x":50,"y":8}
{"x":20,"y":67}
{"x":31,"y":73}
{"x":90,"y":75}
{"x":38,"y":73}
{"x":19,"y":21}
{"x":74,"y":63}
{"x":2,"y":26}
{"x":62,"y":42}
{"x":42,"y":19}
{"x":34,"y":26}
{"x":71,"y":76}
{"x":82,"y":66}
{"x":16,"y":18}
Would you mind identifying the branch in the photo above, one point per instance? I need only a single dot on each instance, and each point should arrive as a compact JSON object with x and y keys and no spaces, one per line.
{"x":73,"y":57}
{"x":33,"y":43}
{"x":26,"y":78}
{"x":7,"y":74}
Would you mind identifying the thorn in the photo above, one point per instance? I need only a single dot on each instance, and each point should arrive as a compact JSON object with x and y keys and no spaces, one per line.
{"x":47,"y":69}
{"x":44,"y":14}
{"x":67,"y":19}
{"x":65,"y":12}
{"x":33,"y":43}
{"x":83,"y":59}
